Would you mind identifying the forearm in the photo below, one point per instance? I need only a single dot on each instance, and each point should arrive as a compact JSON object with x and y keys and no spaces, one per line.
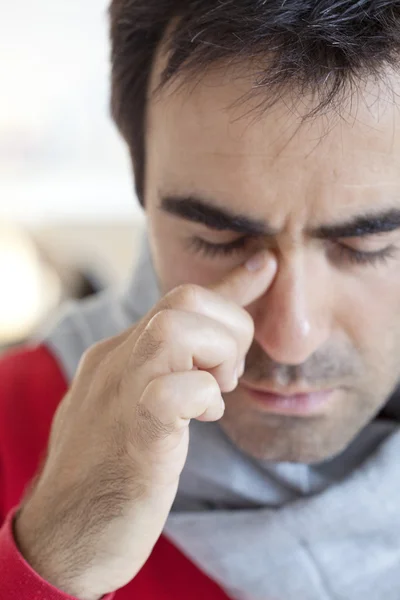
{"x":18,"y":581}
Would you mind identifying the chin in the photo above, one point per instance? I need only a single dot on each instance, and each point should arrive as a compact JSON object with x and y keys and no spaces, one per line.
{"x":283,"y":444}
{"x":312,"y":439}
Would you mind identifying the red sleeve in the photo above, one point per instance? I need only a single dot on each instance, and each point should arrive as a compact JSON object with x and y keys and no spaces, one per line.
{"x":17,"y":580}
{"x":31,"y":387}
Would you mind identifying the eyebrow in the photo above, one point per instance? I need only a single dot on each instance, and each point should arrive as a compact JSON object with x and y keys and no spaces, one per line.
{"x":368,"y":224}
{"x":204,"y":212}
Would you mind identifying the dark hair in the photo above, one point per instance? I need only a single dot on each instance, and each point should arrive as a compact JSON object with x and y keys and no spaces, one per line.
{"x":320,"y":46}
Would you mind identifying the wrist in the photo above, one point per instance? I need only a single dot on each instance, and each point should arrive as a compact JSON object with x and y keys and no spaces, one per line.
{"x":38,"y":547}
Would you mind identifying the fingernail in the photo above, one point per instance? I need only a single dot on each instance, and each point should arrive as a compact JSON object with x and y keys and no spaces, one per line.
{"x":256,"y":262}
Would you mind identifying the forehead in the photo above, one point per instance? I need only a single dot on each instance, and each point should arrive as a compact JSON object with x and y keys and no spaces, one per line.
{"x":206,"y":139}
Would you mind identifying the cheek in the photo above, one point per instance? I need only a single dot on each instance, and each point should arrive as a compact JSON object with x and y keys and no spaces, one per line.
{"x":367,"y":308}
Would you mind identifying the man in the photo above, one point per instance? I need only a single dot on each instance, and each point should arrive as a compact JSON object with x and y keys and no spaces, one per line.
{"x":263,"y":312}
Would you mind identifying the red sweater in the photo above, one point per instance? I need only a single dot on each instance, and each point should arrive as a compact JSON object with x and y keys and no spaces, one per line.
{"x":31,"y":386}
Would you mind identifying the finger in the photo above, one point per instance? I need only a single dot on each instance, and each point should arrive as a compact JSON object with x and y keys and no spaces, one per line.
{"x":202,"y":301}
{"x":174,"y":399}
{"x":249,"y":281}
{"x":177,"y":341}
{"x":222,"y":301}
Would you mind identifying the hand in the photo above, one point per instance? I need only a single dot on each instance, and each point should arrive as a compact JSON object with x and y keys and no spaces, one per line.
{"x":120,"y":437}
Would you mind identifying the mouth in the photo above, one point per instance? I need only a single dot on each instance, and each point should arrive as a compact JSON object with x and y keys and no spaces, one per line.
{"x":291,"y":401}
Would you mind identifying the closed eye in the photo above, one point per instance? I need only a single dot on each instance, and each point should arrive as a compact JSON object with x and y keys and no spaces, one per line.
{"x":198,"y":245}
{"x":342,"y":253}
{"x":339,"y":252}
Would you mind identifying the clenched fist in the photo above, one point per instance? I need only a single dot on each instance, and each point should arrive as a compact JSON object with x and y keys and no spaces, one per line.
{"x":120,"y":437}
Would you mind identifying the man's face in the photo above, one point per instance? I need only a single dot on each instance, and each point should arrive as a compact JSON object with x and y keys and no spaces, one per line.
{"x":326,"y":199}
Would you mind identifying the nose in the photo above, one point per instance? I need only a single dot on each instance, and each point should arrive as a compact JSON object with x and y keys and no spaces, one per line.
{"x":293,"y":319}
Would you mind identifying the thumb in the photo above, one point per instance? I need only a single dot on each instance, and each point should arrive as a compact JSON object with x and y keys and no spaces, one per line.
{"x":249,"y":281}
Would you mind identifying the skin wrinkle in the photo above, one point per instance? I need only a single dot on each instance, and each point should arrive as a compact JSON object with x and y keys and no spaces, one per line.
{"x":152,"y":430}
{"x":146,"y":348}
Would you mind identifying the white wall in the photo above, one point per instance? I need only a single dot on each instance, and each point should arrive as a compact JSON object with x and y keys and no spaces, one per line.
{"x":60,"y":156}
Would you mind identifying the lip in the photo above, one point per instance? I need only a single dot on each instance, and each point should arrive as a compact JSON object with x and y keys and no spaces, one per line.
{"x":290,"y":402}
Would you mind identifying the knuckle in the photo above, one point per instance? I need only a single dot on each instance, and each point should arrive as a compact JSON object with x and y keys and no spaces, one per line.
{"x":157,"y":389}
{"x":91,"y":357}
{"x":208,"y":383}
{"x":147,"y":348}
{"x":186,"y":296}
{"x":151,"y":428}
{"x":163,"y":323}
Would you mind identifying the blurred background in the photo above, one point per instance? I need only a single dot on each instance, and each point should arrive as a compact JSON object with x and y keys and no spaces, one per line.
{"x":69,"y":221}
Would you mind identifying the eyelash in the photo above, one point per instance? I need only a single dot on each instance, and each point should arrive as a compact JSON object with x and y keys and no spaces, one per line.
{"x":212,"y":250}
{"x":357,"y":257}
{"x":340,"y":252}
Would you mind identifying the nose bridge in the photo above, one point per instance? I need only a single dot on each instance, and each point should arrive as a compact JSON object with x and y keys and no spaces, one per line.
{"x":293,"y":319}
